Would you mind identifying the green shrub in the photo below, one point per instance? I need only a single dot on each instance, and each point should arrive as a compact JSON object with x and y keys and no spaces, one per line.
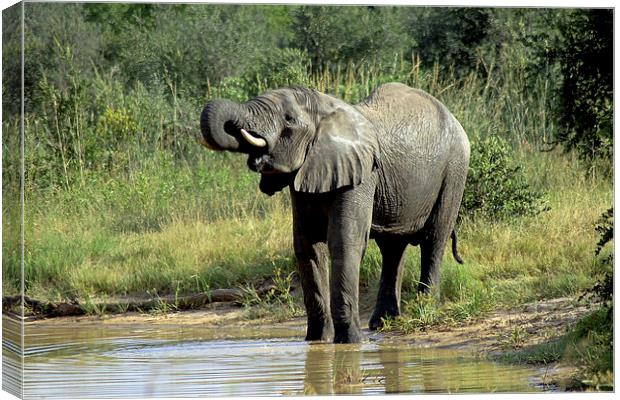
{"x":604,"y":288}
{"x":330,"y":36}
{"x":496,"y":186}
{"x":232,"y":88}
{"x":595,"y":331}
{"x":450,"y":35}
{"x":593,"y":349}
{"x":605,"y":228}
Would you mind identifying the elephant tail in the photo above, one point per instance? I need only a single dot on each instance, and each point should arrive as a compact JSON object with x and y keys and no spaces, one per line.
{"x":454,"y":250}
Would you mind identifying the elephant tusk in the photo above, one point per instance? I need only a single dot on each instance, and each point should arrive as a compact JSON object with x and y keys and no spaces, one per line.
{"x":258,"y":142}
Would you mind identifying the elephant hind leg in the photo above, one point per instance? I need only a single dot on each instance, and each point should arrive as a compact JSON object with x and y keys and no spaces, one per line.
{"x":393,"y":252}
{"x":437,"y":231}
{"x":431,"y":251}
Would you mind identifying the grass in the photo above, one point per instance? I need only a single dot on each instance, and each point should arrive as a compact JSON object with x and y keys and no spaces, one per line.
{"x":588,"y":345}
{"x":183,"y":256}
{"x":278,"y":303}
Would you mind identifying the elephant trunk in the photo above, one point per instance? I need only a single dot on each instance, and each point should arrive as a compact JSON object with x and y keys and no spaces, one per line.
{"x":220,"y":123}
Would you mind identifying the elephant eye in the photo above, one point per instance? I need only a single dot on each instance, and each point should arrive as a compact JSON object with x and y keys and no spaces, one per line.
{"x":289,"y":118}
{"x":286,"y":132}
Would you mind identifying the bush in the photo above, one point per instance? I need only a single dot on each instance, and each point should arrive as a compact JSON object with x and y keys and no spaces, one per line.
{"x":593,"y":347}
{"x":603,"y":290}
{"x":496,"y":187}
{"x":593,"y":334}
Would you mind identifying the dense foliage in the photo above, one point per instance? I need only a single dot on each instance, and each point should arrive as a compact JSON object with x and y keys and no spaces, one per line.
{"x":603,"y":290}
{"x":333,"y":35}
{"x":195,"y":46}
{"x":452,"y":35}
{"x":586,"y":106}
{"x":593,"y":336}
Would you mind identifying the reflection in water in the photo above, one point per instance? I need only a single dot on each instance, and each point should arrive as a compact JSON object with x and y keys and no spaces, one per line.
{"x":333,"y":369}
{"x":90,"y":360}
{"x":390,"y":368}
{"x":347,"y":369}
{"x":319,"y":369}
{"x":395,"y":380}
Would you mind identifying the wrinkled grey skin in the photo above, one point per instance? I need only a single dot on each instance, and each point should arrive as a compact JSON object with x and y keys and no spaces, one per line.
{"x":391,"y":168}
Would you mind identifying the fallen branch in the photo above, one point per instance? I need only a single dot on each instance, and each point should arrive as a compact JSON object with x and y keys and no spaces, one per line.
{"x":13,"y":304}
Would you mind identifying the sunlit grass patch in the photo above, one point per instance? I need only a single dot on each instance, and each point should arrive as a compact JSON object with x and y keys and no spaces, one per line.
{"x":190,"y":256}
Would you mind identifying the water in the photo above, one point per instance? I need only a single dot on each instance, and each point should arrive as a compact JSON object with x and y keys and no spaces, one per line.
{"x":86,"y":360}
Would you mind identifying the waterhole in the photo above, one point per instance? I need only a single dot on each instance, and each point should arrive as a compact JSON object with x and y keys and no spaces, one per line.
{"x":99,"y":360}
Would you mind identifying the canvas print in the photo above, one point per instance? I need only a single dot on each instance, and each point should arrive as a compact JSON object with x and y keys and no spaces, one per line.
{"x":262,"y":200}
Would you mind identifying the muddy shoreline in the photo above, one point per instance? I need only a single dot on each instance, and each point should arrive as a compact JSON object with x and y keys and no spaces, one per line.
{"x":490,"y":334}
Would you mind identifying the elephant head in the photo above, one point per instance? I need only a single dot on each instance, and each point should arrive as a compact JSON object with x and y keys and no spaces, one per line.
{"x":294,"y":136}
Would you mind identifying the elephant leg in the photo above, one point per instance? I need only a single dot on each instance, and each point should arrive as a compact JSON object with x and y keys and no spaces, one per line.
{"x":437,"y":232}
{"x":312,"y":263}
{"x":431,"y":255}
{"x":347,"y":237}
{"x":310,"y":242}
{"x":393,"y":253}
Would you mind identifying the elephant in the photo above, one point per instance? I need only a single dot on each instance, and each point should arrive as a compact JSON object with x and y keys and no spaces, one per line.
{"x":391,"y":168}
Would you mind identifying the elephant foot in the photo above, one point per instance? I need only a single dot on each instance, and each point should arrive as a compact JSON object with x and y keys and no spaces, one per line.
{"x":348,"y":334}
{"x":320,"y":331}
{"x":376,"y":321}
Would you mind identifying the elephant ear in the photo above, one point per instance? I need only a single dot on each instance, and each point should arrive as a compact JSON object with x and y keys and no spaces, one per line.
{"x":344,"y":153}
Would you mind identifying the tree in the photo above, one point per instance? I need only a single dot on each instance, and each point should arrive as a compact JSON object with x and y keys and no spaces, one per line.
{"x":585,"y":54}
{"x":196,"y":44}
{"x":449,"y":36}
{"x":332,"y":35}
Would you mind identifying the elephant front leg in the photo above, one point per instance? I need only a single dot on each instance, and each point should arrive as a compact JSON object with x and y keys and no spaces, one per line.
{"x":349,"y":227}
{"x":310,"y":241}
{"x":312,"y":264}
{"x":344,"y":284}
